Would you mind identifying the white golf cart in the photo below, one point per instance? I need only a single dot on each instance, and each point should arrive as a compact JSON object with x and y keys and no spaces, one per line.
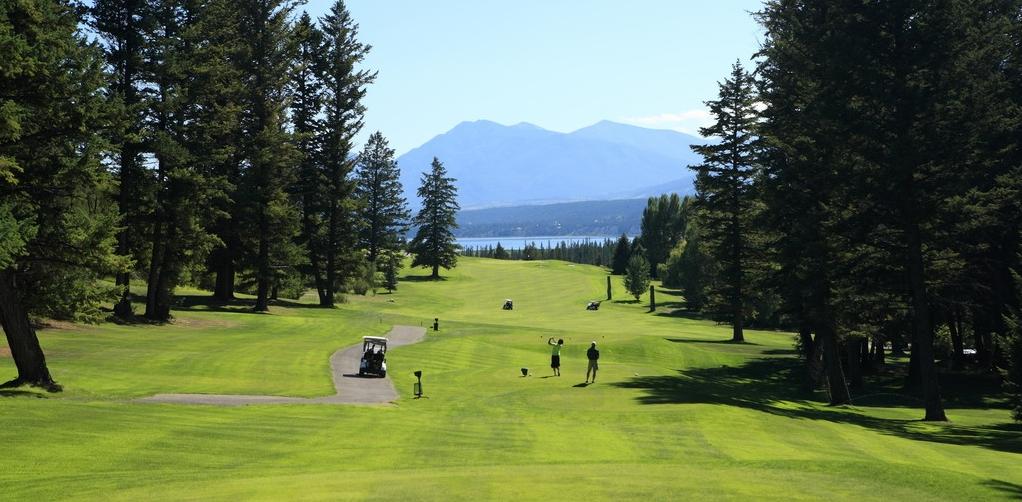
{"x":374,"y":356}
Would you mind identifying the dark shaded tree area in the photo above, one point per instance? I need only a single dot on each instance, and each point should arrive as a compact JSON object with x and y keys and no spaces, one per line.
{"x":167,"y":142}
{"x":874,"y":203}
{"x":58,"y":219}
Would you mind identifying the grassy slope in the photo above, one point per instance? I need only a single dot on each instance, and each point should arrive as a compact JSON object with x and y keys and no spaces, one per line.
{"x":675,"y":413}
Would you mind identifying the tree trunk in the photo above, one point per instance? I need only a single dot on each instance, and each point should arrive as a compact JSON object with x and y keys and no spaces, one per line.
{"x":852,"y":355}
{"x":922,"y":343}
{"x":436,"y":272}
{"x":314,"y":263}
{"x":155,"y":266}
{"x":737,"y":334}
{"x":832,"y":362}
{"x":608,"y":288}
{"x":812,"y":352}
{"x":865,"y":355}
{"x":21,"y":338}
{"x":223,"y":263}
{"x":879,"y":356}
{"x":652,"y":298}
{"x":957,"y":342}
{"x":124,"y":198}
{"x":327,"y":300}
{"x":263,"y":265}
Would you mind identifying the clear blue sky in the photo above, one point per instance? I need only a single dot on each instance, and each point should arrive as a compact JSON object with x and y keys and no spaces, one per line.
{"x":559,"y":64}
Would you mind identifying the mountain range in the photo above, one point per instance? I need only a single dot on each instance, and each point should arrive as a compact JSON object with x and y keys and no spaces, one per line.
{"x":498,"y":165}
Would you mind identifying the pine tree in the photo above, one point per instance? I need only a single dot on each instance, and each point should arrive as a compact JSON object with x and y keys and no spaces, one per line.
{"x":622,"y":251}
{"x":500,"y":253}
{"x":344,"y":87}
{"x":390,"y":262}
{"x":311,"y":188}
{"x":663,"y":223}
{"x":122,"y":25}
{"x":434,"y":245}
{"x":802,"y":178}
{"x":57,"y":215}
{"x":182,"y":188}
{"x":378,"y":189}
{"x":725,"y":190}
{"x":637,"y":274}
{"x":216,"y":93}
{"x":269,"y":217}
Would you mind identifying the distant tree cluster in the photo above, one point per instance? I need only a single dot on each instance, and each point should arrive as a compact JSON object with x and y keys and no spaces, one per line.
{"x":865,"y":190}
{"x":170,"y":142}
{"x":585,"y":252}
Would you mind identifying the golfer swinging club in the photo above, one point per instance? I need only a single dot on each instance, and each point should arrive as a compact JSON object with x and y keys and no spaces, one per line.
{"x":555,"y":355}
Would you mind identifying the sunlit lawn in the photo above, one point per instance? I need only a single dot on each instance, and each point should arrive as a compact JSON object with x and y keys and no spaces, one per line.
{"x":676,"y":413}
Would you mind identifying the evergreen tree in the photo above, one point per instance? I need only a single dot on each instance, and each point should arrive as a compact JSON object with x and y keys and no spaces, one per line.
{"x":622,"y":251}
{"x":178,"y":239}
{"x":663,"y":223}
{"x":801,"y":183}
{"x":57,"y":216}
{"x":344,"y":87}
{"x":121,"y":25}
{"x":637,"y":274}
{"x":695,"y":269}
{"x":390,"y":261}
{"x":311,"y":189}
{"x":434,"y":245}
{"x":269,"y":218}
{"x":384,"y":212}
{"x":215,"y":139}
{"x":725,"y":191}
{"x":500,"y":253}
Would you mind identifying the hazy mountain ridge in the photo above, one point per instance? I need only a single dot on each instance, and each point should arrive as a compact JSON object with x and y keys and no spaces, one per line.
{"x":498,"y":165}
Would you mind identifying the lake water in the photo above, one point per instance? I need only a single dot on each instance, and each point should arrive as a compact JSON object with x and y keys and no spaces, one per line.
{"x":547,"y":241}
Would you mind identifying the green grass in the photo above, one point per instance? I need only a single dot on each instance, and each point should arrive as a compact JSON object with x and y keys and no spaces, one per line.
{"x":675,"y":414}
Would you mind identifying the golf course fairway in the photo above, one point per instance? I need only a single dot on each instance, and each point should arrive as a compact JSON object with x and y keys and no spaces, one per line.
{"x":676,"y":413}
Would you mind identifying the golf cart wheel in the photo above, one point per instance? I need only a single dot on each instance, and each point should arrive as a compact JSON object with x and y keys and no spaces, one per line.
{"x":383,"y":374}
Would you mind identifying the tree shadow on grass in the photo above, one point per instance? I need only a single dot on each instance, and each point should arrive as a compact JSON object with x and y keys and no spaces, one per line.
{"x":423,"y":278}
{"x":626,"y":302}
{"x":206,"y":303}
{"x":771,"y":385}
{"x":680,"y":311}
{"x":1011,"y":489}
{"x":20,"y":393}
{"x":724,"y":341}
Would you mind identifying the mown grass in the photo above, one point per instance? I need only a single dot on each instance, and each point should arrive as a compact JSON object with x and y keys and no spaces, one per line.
{"x":675,"y":413}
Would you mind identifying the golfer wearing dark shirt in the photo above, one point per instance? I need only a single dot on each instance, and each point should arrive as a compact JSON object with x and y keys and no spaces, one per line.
{"x":594,"y":356}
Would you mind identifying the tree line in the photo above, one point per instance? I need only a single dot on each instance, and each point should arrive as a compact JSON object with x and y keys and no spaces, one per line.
{"x":588,"y":252}
{"x":864,"y":190}
{"x":204,"y":142}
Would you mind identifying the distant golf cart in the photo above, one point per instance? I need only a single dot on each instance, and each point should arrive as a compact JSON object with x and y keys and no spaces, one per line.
{"x":508,"y":304}
{"x":374,"y":356}
{"x":593,"y":306}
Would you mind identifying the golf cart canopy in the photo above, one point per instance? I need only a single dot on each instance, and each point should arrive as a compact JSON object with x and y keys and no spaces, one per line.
{"x":369,"y":341}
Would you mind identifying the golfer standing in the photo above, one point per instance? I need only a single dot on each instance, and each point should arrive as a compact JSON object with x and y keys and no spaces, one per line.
{"x":555,"y":355}
{"x":594,"y":356}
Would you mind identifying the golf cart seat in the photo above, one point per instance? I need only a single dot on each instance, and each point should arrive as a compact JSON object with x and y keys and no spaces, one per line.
{"x":508,"y":304}
{"x":374,"y":356}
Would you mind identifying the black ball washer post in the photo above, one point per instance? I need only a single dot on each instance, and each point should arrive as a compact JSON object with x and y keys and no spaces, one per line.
{"x":417,"y":388}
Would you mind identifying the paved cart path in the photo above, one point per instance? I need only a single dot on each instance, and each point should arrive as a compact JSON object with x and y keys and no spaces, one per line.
{"x":351,"y":388}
